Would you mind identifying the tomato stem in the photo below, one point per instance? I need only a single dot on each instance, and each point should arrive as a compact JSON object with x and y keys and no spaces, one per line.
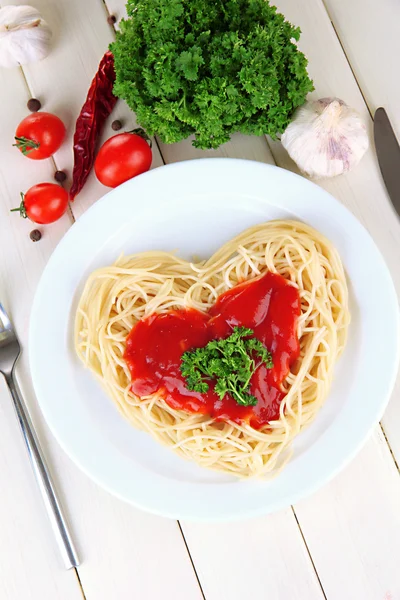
{"x":21,"y":209}
{"x":141,"y":132}
{"x":26,"y":145}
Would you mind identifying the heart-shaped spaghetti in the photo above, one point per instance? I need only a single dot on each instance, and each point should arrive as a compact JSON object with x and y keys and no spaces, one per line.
{"x":116,"y":298}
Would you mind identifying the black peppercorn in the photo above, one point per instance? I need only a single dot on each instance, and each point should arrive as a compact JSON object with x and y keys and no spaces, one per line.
{"x":35,"y":235}
{"x":116,"y":125}
{"x":60,"y":176}
{"x":111,"y":19}
{"x":34,"y":105}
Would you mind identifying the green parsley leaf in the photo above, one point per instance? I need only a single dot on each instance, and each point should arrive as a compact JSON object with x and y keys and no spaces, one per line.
{"x":229,"y":363}
{"x":209,"y":68}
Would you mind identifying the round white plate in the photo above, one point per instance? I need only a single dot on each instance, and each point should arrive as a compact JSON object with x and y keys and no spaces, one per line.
{"x":193,"y":207}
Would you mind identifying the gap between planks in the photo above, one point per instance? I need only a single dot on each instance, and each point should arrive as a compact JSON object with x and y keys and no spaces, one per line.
{"x":191,"y":560}
{"x":80,"y":583}
{"x":308,"y":552}
{"x":397,"y":465}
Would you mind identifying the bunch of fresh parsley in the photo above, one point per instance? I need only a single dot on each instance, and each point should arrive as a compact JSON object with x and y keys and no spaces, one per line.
{"x":229,"y":362}
{"x":209,"y":68}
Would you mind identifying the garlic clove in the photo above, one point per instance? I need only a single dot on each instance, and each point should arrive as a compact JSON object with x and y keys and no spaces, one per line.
{"x":326,"y":138}
{"x":24,"y":36}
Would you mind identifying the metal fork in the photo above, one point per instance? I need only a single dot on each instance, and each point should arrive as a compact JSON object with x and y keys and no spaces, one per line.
{"x":9,"y":353}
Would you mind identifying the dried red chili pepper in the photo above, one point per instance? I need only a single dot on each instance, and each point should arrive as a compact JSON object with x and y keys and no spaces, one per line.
{"x":98,"y":105}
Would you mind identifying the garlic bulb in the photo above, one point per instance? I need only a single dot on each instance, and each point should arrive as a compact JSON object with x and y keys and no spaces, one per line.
{"x":24,"y":36}
{"x":326,"y":138}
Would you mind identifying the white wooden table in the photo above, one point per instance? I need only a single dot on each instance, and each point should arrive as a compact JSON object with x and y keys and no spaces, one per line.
{"x":343,"y":543}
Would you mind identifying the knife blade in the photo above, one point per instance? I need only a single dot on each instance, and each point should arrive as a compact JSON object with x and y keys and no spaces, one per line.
{"x":388,"y":153}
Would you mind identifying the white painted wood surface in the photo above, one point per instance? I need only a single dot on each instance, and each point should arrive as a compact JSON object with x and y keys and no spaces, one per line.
{"x":262,"y":558}
{"x":352,"y":528}
{"x":29,"y":566}
{"x":369,"y":32}
{"x":342,"y":543}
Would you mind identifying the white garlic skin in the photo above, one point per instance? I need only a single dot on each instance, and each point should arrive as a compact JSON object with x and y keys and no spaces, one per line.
{"x":24,"y":36}
{"x":326,"y":138}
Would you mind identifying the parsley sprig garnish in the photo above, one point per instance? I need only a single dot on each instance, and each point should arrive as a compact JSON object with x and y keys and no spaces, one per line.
{"x":229,"y":362}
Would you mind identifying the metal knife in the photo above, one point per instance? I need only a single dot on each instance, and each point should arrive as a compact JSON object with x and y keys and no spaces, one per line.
{"x":388,"y":153}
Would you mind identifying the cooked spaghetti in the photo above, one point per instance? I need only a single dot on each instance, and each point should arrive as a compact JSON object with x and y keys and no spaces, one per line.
{"x":116,"y":298}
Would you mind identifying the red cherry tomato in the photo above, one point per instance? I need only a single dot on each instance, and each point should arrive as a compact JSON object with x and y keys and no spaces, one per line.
{"x":39,"y":135}
{"x":43,"y":203}
{"x":122,"y":157}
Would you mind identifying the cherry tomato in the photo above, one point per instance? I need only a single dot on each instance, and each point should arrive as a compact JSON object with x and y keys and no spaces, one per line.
{"x":43,"y":203}
{"x":122,"y":157}
{"x":39,"y":135}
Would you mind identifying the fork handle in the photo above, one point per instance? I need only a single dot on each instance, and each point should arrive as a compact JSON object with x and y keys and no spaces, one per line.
{"x":46,"y":486}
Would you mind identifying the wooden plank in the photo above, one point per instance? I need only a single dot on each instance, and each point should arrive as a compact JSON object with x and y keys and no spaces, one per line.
{"x":262,"y":558}
{"x":352,"y":528}
{"x":119,"y":545}
{"x":369,"y":33}
{"x":30,"y":565}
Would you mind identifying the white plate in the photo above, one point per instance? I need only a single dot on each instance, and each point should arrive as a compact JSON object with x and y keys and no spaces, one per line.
{"x":195,"y":207}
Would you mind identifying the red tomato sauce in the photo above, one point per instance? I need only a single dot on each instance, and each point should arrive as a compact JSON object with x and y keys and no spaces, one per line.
{"x":268,"y":305}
